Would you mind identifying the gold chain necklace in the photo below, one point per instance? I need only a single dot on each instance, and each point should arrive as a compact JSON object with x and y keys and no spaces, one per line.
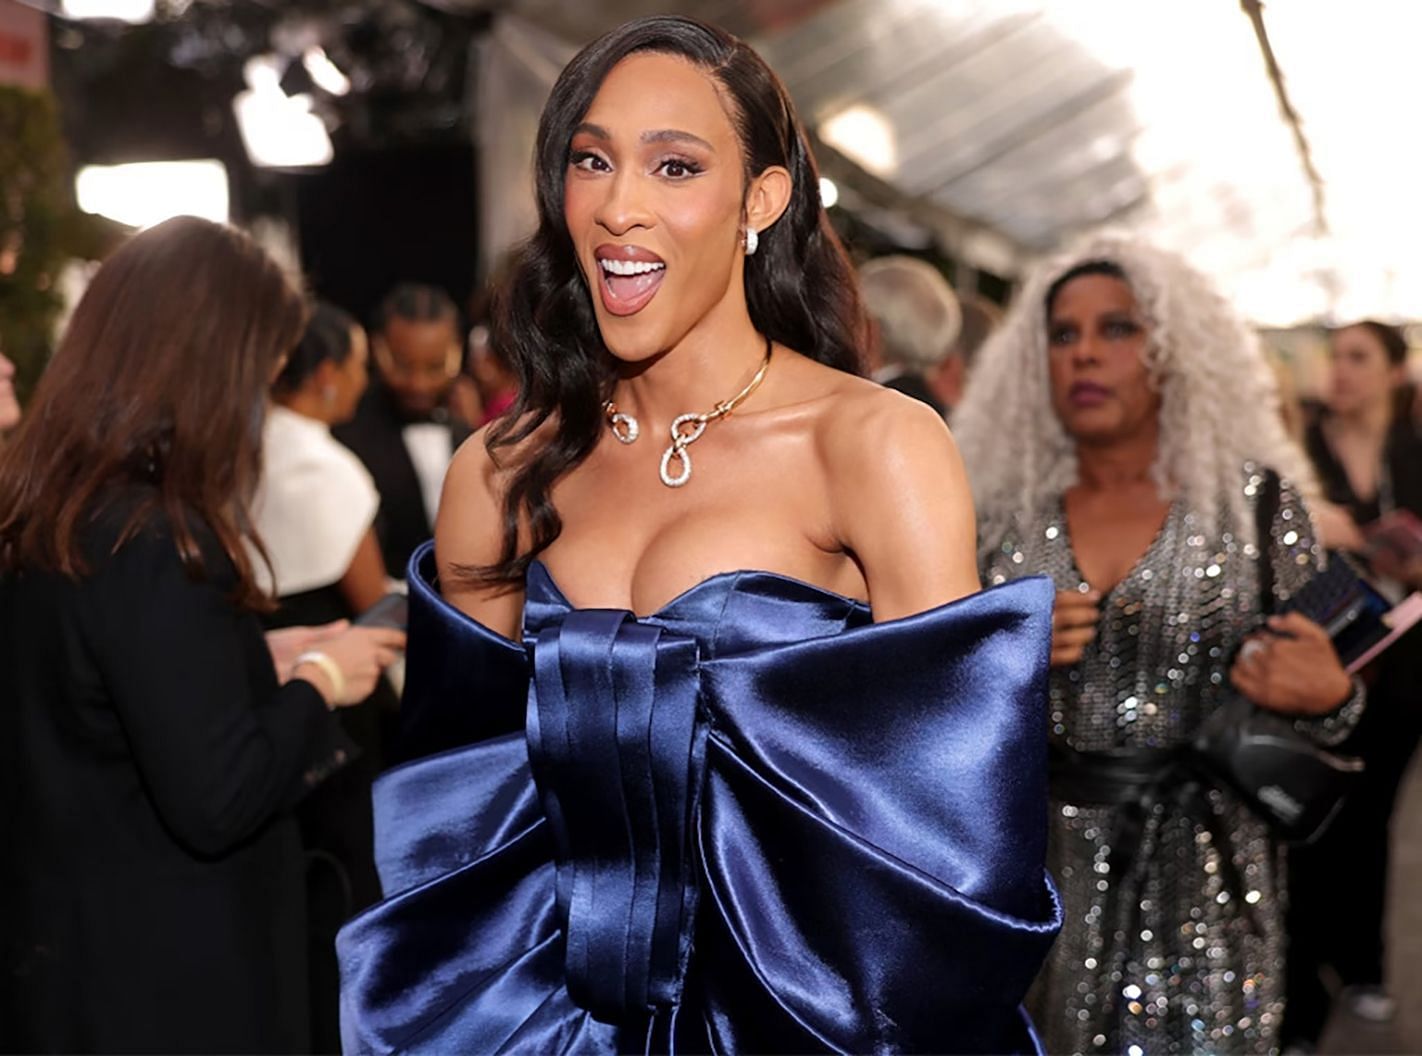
{"x":685,"y":428}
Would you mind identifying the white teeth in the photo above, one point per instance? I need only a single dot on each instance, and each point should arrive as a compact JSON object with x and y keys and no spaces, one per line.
{"x":629,"y":267}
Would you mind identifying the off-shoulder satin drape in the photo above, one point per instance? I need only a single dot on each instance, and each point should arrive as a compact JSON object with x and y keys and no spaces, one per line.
{"x":753,"y":821}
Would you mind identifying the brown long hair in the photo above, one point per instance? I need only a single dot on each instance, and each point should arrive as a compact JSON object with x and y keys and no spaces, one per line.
{"x":161,"y":377}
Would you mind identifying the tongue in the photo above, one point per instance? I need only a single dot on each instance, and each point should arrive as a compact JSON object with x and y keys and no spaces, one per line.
{"x":625,"y":287}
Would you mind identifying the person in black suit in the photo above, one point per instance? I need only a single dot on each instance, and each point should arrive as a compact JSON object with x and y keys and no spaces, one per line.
{"x":403,"y":430}
{"x":916,"y":320}
{"x":152,"y":740}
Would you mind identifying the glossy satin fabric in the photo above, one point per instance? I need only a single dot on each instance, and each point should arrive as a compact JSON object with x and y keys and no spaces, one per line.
{"x":754,"y":821}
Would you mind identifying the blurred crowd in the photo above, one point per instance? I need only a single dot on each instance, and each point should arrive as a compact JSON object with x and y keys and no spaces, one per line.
{"x":1116,"y":369}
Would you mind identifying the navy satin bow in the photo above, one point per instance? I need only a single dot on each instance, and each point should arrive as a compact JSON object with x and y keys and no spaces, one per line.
{"x":626,"y":892}
{"x":753,"y":821}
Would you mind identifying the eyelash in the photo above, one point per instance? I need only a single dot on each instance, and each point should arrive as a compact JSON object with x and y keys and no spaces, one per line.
{"x":692,"y":169}
{"x":580,"y":159}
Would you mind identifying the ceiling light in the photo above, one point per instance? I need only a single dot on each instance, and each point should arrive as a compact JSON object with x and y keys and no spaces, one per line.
{"x":146,"y":193}
{"x":324,"y":72}
{"x":864,"y":135}
{"x":120,"y":10}
{"x":279,"y":131}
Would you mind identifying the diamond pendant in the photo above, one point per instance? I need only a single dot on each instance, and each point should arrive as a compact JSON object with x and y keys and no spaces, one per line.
{"x":676,"y":451}
{"x":685,"y":428}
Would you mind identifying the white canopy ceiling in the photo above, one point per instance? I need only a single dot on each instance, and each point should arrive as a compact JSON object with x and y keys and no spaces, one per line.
{"x":1227,"y":184}
{"x":1029,"y":122}
{"x":1047,"y":118}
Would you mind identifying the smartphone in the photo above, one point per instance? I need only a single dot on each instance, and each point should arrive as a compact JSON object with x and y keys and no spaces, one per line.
{"x":1349,"y":608}
{"x":392,"y":611}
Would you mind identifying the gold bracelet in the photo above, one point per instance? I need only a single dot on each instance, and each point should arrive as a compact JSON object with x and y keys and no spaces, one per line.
{"x":329,"y":668}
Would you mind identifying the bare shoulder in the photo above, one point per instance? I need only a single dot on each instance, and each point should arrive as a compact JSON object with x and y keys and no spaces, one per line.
{"x":900,"y":495}
{"x":469,"y":531}
{"x":866,"y":426}
{"x":469,"y":526}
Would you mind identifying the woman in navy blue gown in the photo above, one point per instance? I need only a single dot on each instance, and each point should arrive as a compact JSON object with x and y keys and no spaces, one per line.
{"x":714,"y":743}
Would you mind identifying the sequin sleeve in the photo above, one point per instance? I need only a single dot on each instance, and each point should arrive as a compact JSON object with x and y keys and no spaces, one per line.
{"x":1000,"y":556}
{"x":1297,"y":556}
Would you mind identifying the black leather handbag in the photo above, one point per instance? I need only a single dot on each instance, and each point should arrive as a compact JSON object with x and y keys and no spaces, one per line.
{"x":1288,"y":779}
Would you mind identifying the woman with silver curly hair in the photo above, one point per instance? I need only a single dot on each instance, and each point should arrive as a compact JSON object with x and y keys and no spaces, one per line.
{"x":1120,"y":430}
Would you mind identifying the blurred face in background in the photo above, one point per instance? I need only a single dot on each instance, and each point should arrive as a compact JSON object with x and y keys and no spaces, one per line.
{"x":418,"y":361}
{"x":9,"y":404}
{"x":1096,"y":341}
{"x":653,"y":201}
{"x":352,"y":377}
{"x":1362,"y":375}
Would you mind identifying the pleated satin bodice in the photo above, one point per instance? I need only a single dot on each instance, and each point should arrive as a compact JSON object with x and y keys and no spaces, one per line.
{"x":751,"y":821}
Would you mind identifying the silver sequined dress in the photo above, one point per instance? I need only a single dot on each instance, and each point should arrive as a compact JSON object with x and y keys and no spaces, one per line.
{"x":1189,"y":964}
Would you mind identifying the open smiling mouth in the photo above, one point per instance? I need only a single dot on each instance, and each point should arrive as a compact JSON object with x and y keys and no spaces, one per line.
{"x":630,"y":279}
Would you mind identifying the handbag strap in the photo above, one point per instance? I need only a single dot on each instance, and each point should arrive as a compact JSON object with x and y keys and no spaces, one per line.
{"x":1265,"y":508}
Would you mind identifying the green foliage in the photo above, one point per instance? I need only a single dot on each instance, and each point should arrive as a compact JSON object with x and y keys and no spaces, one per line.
{"x":40,"y":228}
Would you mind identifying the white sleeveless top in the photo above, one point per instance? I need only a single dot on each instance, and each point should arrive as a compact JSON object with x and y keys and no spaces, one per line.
{"x":314,"y":503}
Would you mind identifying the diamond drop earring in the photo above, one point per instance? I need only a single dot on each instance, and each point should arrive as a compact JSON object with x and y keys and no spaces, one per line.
{"x":752,"y":241}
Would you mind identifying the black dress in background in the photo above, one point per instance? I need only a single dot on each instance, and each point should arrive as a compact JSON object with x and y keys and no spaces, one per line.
{"x":151,"y":882}
{"x":336,"y":825}
{"x":314,"y":506}
{"x":1338,"y":887}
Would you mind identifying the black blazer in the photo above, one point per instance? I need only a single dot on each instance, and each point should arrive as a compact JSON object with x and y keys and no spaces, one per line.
{"x":376,"y":435}
{"x":150,"y":883}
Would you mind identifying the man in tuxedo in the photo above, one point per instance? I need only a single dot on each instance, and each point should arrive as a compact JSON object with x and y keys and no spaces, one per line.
{"x":403,"y":430}
{"x":916,"y":320}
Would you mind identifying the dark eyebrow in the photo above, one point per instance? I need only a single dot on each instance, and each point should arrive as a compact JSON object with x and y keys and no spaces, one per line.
{"x":661,"y":135}
{"x":672,"y":135}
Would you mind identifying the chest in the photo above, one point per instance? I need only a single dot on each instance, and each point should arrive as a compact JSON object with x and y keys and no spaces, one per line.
{"x":1360,"y":466}
{"x":630,"y":541}
{"x":1167,"y":631}
{"x":1110,"y":533}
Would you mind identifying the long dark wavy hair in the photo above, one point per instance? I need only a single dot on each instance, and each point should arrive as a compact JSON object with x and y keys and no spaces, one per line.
{"x":800,"y":286}
{"x":160,"y":381}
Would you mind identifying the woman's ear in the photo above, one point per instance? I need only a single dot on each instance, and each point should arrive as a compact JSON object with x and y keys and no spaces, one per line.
{"x":327,"y":375}
{"x":768,"y":197}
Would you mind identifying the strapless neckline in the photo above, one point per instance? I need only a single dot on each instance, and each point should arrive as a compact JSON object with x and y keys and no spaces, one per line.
{"x":541,"y":575}
{"x":750,"y":821}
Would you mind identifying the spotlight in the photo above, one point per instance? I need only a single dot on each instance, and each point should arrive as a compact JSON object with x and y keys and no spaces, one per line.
{"x":146,"y":193}
{"x":134,"y":11}
{"x":325,"y":73}
{"x":864,"y":134}
{"x":278,"y":130}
